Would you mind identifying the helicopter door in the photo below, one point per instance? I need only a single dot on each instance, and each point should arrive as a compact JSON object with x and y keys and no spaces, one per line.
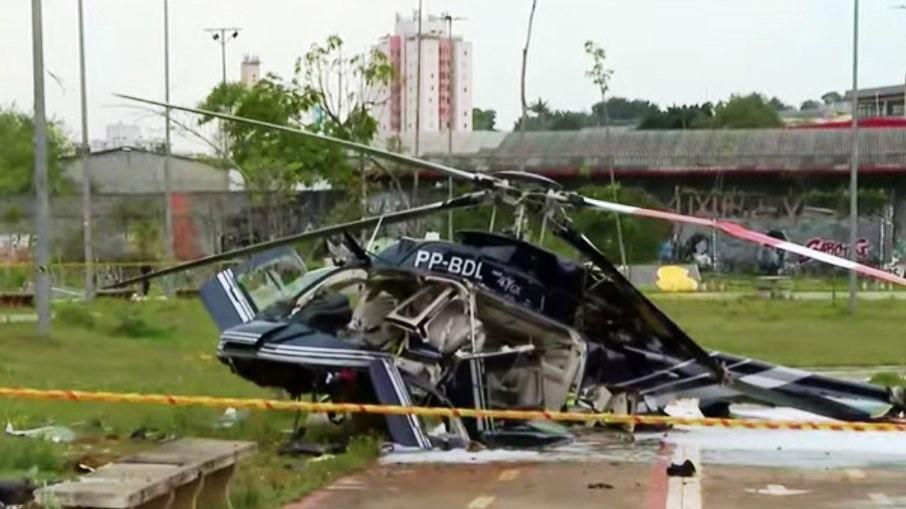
{"x":225,"y":301}
{"x":390,"y":389}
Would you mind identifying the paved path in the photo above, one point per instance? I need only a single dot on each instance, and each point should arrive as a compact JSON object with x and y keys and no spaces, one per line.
{"x":734,"y":469}
{"x":610,"y":484}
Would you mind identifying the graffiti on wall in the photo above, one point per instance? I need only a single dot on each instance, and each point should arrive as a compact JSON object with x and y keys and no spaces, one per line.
{"x":15,"y":247}
{"x":825,"y":234}
{"x":839,"y":248}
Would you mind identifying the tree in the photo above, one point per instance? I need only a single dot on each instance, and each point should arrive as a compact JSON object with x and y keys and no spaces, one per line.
{"x":809,"y":105}
{"x":620,"y":109}
{"x":277,"y":161}
{"x":540,"y":108}
{"x":521,"y":124}
{"x":542,"y":118}
{"x":600,"y":75}
{"x":642,"y":236}
{"x":746,"y":112}
{"x":778,"y":104}
{"x":831,"y":97}
{"x":687,"y":116}
{"x":483,"y":120}
{"x":17,"y":156}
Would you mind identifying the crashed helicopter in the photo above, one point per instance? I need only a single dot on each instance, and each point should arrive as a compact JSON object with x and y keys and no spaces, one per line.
{"x":489,"y":321}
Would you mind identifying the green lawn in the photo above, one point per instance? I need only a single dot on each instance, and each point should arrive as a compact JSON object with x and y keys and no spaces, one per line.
{"x":161,"y":347}
{"x":796,"y":333}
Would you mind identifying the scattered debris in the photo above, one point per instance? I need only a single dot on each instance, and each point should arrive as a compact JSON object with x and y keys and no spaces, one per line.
{"x":146,"y":433}
{"x":600,"y":486}
{"x":88,"y":463}
{"x":305,"y":448}
{"x":55,"y":434}
{"x":230,"y":417}
{"x":777,"y":490}
{"x":322,"y":458}
{"x":18,"y":492}
{"x":684,"y":469}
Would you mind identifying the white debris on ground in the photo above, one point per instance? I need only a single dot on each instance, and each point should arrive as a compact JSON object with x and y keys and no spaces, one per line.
{"x":790,"y":448}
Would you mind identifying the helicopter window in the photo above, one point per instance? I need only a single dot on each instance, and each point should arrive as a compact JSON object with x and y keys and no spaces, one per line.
{"x":275,"y":281}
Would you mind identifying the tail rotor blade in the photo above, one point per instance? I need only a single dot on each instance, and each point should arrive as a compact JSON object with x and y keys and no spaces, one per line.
{"x":740,"y":232}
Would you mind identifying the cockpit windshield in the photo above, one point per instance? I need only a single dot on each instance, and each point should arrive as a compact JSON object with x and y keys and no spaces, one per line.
{"x":274,"y":278}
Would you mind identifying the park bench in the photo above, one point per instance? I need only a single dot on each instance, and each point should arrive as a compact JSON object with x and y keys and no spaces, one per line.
{"x":16,"y":299}
{"x":188,"y":473}
{"x":774,"y":287}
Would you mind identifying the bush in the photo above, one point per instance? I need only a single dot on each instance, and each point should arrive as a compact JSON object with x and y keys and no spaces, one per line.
{"x":132,"y":324}
{"x":75,"y":315}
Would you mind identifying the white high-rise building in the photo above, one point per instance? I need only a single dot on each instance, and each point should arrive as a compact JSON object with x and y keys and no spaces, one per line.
{"x":446,"y":79}
{"x":250,"y":72}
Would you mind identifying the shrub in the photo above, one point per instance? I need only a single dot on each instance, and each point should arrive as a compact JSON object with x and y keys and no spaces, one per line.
{"x":132,"y":324}
{"x":76,"y":315}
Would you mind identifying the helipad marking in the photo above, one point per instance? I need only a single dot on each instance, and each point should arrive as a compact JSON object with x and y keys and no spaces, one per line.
{"x":508,"y":475}
{"x":880,"y":499}
{"x":777,"y":490}
{"x":685,"y":492}
{"x":482,"y":502}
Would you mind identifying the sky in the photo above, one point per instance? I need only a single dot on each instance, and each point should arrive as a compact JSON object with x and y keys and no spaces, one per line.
{"x":667,"y":51}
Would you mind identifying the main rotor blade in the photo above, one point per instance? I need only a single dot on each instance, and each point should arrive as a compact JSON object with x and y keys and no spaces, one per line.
{"x":448,"y":171}
{"x":741,"y":232}
{"x":467,"y":200}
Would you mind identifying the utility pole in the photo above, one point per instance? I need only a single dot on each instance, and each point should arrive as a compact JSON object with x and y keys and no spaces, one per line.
{"x":418,"y":104}
{"x":86,"y":169}
{"x":42,"y":201}
{"x":854,"y":166}
{"x":168,"y":185}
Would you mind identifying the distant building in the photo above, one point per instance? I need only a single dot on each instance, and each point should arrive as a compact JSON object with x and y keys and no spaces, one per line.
{"x":881,"y":101}
{"x":129,"y":170}
{"x":125,"y":135}
{"x":446,"y":66}
{"x":250,"y":71}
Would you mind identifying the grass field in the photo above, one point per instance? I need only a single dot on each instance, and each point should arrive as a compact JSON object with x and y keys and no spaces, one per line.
{"x":145,"y":347}
{"x":796,"y":333}
{"x":168,"y":346}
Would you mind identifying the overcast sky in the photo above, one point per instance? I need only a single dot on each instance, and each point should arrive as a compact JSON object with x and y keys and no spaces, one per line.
{"x":668,"y":51}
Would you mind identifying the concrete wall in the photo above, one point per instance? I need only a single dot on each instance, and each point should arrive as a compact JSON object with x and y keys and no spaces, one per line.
{"x":130,"y":226}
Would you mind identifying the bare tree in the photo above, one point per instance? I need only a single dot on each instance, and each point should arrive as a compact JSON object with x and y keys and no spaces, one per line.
{"x":528,"y":40}
{"x":600,"y":75}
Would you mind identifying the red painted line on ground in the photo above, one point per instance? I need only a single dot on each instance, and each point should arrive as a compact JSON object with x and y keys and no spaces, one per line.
{"x":656,"y":494}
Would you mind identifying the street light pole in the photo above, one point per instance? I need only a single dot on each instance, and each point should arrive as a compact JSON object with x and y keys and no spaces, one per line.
{"x":42,"y":201}
{"x":168,"y":185}
{"x":86,"y":170}
{"x":219,"y":35}
{"x":854,"y":165}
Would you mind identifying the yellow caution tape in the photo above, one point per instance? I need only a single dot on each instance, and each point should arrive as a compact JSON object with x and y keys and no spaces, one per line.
{"x":520,"y":415}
